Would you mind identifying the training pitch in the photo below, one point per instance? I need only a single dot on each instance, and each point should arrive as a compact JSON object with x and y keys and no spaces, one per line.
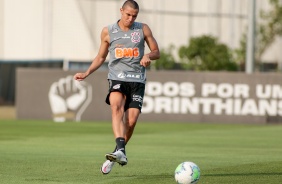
{"x":44,"y":152}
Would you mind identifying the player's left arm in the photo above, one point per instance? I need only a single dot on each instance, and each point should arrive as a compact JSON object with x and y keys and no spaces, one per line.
{"x":153,"y":46}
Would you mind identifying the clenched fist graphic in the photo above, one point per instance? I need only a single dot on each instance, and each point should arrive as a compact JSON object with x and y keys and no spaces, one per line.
{"x":69,"y":99}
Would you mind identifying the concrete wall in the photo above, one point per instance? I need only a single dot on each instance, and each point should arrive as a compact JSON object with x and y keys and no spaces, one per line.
{"x":70,"y":29}
{"x":1,"y":27}
{"x":170,"y":97}
{"x":23,"y":28}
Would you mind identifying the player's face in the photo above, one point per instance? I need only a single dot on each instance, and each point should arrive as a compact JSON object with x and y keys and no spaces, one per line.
{"x":128,"y":16}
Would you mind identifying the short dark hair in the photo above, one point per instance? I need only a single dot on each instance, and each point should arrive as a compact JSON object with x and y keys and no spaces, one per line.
{"x":131,"y":3}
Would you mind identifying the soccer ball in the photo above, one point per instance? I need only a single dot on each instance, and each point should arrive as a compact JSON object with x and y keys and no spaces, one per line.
{"x":187,"y":173}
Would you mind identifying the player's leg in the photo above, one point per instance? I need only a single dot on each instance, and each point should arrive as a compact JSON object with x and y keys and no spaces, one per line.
{"x":130,"y":120}
{"x":133,"y":108}
{"x":117,"y":102}
{"x":131,"y":117}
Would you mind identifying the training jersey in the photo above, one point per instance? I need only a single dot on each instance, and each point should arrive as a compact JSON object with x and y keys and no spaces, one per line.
{"x":126,"y":50}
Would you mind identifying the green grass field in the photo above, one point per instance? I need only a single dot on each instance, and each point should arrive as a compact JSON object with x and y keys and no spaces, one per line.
{"x":43,"y":152}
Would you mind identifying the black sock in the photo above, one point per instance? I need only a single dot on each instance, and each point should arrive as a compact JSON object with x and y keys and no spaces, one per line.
{"x":120,"y":144}
{"x":116,"y":149}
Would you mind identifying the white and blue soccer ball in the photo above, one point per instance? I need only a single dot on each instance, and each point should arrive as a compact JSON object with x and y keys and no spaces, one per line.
{"x":187,"y":173}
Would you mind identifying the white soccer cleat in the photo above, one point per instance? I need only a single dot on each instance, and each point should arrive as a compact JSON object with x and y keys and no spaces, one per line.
{"x":107,"y":167}
{"x":118,"y":157}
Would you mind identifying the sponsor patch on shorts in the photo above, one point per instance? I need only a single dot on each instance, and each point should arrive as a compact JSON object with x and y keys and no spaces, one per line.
{"x":117,"y":86}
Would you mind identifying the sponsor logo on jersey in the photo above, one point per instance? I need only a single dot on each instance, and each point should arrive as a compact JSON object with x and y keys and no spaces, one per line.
{"x":128,"y":75}
{"x":125,"y":36}
{"x":121,"y":37}
{"x":116,"y":38}
{"x":135,"y":37}
{"x":115,"y":31}
{"x":119,"y":45}
{"x":121,"y":75}
{"x":126,"y":52}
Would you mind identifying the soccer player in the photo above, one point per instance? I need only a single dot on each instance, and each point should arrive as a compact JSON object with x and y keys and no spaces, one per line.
{"x":125,"y":41}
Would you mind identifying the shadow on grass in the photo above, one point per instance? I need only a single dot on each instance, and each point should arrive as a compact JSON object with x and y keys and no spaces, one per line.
{"x":159,"y":176}
{"x":243,"y":174}
{"x":141,"y":179}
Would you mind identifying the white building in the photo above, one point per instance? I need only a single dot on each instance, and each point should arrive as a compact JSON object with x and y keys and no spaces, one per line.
{"x":70,"y":29}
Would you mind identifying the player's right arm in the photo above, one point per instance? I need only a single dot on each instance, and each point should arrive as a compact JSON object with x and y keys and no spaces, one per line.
{"x":99,"y":59}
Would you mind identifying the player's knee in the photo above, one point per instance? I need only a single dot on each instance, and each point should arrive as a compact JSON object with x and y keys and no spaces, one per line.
{"x":116,"y":108}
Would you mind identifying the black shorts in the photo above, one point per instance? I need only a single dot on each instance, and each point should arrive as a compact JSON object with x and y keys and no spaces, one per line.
{"x":134,"y":92}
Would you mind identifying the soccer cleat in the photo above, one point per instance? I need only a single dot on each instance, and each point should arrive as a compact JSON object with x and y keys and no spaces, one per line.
{"x":107,"y":167}
{"x":118,"y":157}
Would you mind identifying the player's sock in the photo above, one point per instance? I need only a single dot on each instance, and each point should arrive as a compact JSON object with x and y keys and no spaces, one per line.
{"x":115,"y":149}
{"x":120,"y":144}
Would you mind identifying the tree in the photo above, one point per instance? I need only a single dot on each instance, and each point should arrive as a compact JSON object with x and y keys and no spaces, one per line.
{"x":270,"y":27}
{"x":166,"y":61}
{"x":206,"y":53}
{"x":267,"y":30}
